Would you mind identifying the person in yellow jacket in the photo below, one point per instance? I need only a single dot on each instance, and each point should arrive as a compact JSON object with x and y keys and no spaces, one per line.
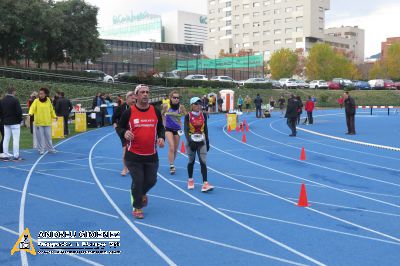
{"x":43,"y":110}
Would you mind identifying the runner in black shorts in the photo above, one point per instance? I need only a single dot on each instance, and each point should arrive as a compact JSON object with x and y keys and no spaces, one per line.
{"x":130,"y":99}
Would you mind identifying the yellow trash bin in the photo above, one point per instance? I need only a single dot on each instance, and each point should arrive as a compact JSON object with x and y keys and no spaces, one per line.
{"x":57,"y":128}
{"x":80,"y":122}
{"x":231,"y":121}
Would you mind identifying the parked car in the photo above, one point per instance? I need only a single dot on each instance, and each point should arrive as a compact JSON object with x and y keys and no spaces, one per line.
{"x":275,"y":83}
{"x":288,"y":83}
{"x":397,"y":84}
{"x":389,"y":84}
{"x":343,"y":83}
{"x":302,"y":84}
{"x":168,"y":75}
{"x":102,"y":76}
{"x":255,"y":80}
{"x":362,"y":85}
{"x":316,"y":84}
{"x":197,"y":77}
{"x":224,"y":79}
{"x":121,"y":75}
{"x":376,"y":84}
{"x":334,"y":85}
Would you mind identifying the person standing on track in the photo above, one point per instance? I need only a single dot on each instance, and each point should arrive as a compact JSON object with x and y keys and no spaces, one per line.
{"x":130,"y":100}
{"x":173,"y":127}
{"x":350,"y":110}
{"x":196,"y":133}
{"x":142,"y":127}
{"x":291,"y":114}
{"x":309,"y":108}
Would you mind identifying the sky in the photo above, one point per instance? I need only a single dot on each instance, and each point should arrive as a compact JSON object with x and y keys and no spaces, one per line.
{"x":379,"y":19}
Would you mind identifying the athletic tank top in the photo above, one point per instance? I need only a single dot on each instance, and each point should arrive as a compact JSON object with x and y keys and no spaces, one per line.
{"x":196,"y":123}
{"x":143,"y":125}
{"x":172,"y":119}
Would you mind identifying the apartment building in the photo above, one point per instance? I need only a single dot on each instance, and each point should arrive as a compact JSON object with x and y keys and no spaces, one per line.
{"x":386,"y":44}
{"x":264,"y":25}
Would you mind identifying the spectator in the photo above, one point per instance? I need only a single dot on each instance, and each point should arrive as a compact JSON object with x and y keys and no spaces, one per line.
{"x":55,"y":98}
{"x":281,"y":103}
{"x":120,"y":101}
{"x":240,"y":103}
{"x":258,"y":102}
{"x":247,"y":101}
{"x":64,"y":108}
{"x":272,"y":102}
{"x":43,"y":111}
{"x":350,"y":110}
{"x":1,"y":133}
{"x":28,"y":104}
{"x":299,"y":110}
{"x":309,"y":108}
{"x":340,"y":102}
{"x":291,"y":114}
{"x":204,"y":105}
{"x":95,"y":100}
{"x":11,"y":114}
{"x":220,"y":102}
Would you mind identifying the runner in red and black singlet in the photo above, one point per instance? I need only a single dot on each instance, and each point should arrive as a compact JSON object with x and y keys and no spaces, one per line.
{"x":142,"y":127}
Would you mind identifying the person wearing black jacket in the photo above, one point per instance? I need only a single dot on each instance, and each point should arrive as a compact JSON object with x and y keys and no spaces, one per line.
{"x":130,"y":100}
{"x":299,"y":110}
{"x":142,"y":127}
{"x":63,"y":108}
{"x":258,"y":102}
{"x":291,"y":114}
{"x":11,"y":114}
{"x":350,"y":110}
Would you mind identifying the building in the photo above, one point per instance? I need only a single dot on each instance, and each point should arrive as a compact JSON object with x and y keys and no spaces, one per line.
{"x":184,"y":27}
{"x":264,"y":26}
{"x":385,"y":45}
{"x":349,"y":39}
{"x":175,"y":27}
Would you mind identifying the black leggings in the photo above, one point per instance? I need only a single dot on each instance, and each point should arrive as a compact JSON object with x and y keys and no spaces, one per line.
{"x":202,"y":154}
{"x":2,"y":137}
{"x":144,"y":177}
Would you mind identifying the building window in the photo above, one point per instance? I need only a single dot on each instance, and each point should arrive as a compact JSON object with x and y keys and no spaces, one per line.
{"x":246,"y":25}
{"x":237,"y":45}
{"x":278,"y":31}
{"x":256,"y":24}
{"x":228,"y":4}
{"x":321,"y":29}
{"x":321,"y":9}
{"x":289,"y":40}
{"x":321,"y":20}
{"x":245,"y":35}
{"x":246,"y":16}
{"x":246,"y":6}
{"x":256,"y":14}
{"x":277,"y":21}
{"x":212,"y":29}
{"x":256,"y":43}
{"x":267,"y":3}
{"x":266,"y":32}
{"x":299,"y":8}
{"x":288,"y":20}
{"x":289,"y":9}
{"x":267,"y":42}
{"x":228,"y":32}
{"x":228,"y":13}
{"x":299,"y":39}
{"x":288,"y":30}
{"x":212,"y":38}
{"x":256,"y":34}
{"x":228,"y":22}
{"x":236,"y":26}
{"x":278,"y":41}
{"x":266,"y":22}
{"x":267,"y":12}
{"x":212,"y":11}
{"x":236,"y":17}
{"x":277,"y":1}
{"x":237,"y":7}
{"x":299,"y":19}
{"x":277,"y":11}
{"x":246,"y":44}
{"x":299,"y":29}
{"x":256,"y":4}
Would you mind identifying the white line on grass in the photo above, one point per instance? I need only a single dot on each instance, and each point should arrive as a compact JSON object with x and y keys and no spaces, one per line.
{"x":119,"y":211}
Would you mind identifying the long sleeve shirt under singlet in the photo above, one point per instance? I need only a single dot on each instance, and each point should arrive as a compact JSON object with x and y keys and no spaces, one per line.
{"x":123,"y":126}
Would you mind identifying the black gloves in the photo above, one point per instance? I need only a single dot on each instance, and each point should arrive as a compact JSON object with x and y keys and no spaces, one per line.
{"x":208,"y":145}
{"x":192,"y":145}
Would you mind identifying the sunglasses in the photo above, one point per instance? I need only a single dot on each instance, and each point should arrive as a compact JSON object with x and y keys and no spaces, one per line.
{"x":175,"y":98}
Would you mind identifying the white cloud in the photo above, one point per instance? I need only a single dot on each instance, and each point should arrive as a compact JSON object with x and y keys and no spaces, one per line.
{"x":378,"y":25}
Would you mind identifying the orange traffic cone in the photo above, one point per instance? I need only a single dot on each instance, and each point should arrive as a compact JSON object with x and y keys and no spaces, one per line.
{"x":229,"y":129}
{"x":244,"y":140}
{"x":237,"y":129}
{"x":183,"y":149}
{"x":247,"y":127}
{"x":303,"y":202}
{"x":242,"y":127}
{"x":303,"y":154}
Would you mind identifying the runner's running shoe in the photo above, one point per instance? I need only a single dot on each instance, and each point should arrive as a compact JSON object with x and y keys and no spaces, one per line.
{"x":206,"y":187}
{"x":190,"y":183}
{"x":138,"y":213}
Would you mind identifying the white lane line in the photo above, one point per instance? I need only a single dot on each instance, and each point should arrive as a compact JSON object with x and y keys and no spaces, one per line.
{"x":119,"y":211}
{"x":292,"y":250}
{"x":314,"y":164}
{"x":324,"y":154}
{"x":56,"y":176}
{"x":61,"y":202}
{"x":284,"y":199}
{"x":297,"y":177}
{"x":308,"y":226}
{"x":332,"y":146}
{"x":373,"y":193}
{"x":219,"y":244}
{"x":71,"y":255}
{"x":273,"y":180}
{"x":24,"y":258}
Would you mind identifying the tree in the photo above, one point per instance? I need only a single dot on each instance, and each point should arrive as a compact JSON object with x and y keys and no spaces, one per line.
{"x":393,"y":61}
{"x":165,"y":64}
{"x":326,"y":63}
{"x":377,"y":71}
{"x":283,"y":63}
